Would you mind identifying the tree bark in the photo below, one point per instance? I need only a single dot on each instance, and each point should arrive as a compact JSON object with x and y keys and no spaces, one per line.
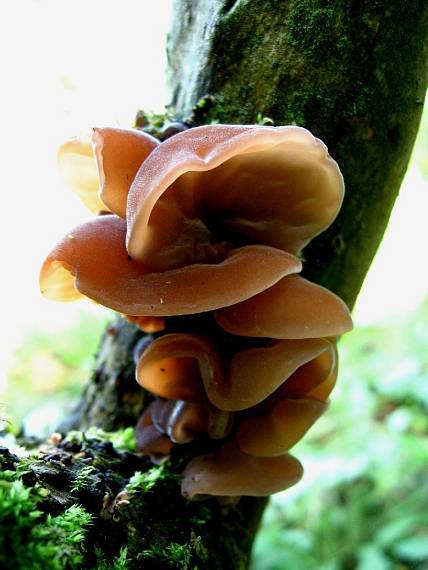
{"x":355,"y":74}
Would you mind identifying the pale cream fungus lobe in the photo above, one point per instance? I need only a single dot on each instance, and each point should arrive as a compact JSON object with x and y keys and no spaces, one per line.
{"x":78,"y":167}
{"x":210,"y":222}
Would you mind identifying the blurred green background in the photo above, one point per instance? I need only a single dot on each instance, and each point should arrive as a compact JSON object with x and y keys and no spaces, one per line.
{"x":363,"y":502}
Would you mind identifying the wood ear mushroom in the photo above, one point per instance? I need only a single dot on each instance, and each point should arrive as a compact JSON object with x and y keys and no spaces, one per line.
{"x":211,"y":222}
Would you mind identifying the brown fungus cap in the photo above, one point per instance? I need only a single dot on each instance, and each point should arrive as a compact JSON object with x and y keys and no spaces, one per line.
{"x":152,"y":443}
{"x":315,"y":379}
{"x":147,"y":324}
{"x":201,"y":189}
{"x":280,"y":429}
{"x":180,"y":421}
{"x":149,"y":440}
{"x":171,"y":367}
{"x":79,"y":170}
{"x":220,"y":423}
{"x":184,"y":420}
{"x":92,"y":261}
{"x":186,"y":366}
{"x":119,"y":154}
{"x":230,"y":472}
{"x":292,"y":308}
{"x":281,"y":420}
{"x":256,"y":373}
{"x":160,"y":411}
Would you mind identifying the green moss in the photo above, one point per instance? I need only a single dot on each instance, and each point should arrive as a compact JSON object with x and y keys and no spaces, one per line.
{"x":144,"y":482}
{"x":192,"y":554}
{"x":173,"y":555}
{"x":82,"y":479}
{"x":120,"y":562}
{"x":122,"y":439}
{"x":260,"y":120}
{"x":312,"y":26}
{"x":31,"y":539}
{"x":153,"y":123}
{"x":109,"y":509}
{"x":207,"y":111}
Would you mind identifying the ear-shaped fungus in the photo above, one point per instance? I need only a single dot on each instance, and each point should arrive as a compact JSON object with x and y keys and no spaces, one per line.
{"x":180,"y":421}
{"x":147,"y":324}
{"x":175,"y":421}
{"x":232,"y":473}
{"x":281,"y":428}
{"x":149,"y":440}
{"x":215,"y":217}
{"x":92,"y":261}
{"x":292,"y":308}
{"x":282,"y":190}
{"x":101,"y":171}
{"x":283,"y":419}
{"x":185,"y":366}
{"x":187,"y":419}
{"x":171,"y":366}
{"x":315,"y":379}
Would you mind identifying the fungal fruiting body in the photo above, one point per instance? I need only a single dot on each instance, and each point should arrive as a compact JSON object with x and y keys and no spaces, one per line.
{"x":209,"y":224}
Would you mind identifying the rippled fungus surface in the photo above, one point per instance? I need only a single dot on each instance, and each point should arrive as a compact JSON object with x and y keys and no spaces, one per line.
{"x":211,"y":221}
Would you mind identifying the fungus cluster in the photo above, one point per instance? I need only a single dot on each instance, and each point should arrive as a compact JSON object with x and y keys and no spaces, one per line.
{"x":206,"y":227}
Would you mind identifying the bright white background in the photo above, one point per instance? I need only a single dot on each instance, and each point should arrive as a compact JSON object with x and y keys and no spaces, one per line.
{"x":68,"y":66}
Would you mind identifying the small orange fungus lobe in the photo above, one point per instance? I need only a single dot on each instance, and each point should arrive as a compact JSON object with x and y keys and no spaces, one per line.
{"x":147,"y":324}
{"x":171,"y":377}
{"x":256,"y":373}
{"x":173,"y":366}
{"x":186,"y":421}
{"x":284,"y":418}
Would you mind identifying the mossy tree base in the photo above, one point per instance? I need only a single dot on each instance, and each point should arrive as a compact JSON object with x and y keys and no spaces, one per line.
{"x":123,"y":512}
{"x":208,"y":535}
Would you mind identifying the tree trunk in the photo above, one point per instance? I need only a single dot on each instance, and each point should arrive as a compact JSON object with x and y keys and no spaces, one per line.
{"x":354,"y":73}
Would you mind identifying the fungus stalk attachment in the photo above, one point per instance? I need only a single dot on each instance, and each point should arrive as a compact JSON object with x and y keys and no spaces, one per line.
{"x":210,"y":222}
